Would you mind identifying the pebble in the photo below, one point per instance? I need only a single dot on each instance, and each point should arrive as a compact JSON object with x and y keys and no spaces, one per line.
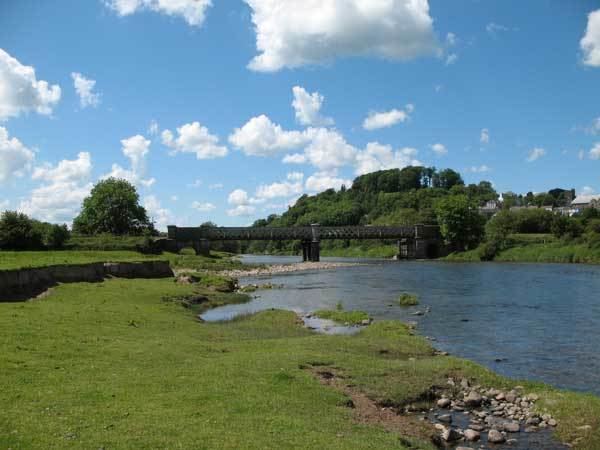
{"x":443,"y":402}
{"x":512,"y":427}
{"x":495,"y":437}
{"x":450,"y":435}
{"x":446,"y":418}
{"x":472,"y":435}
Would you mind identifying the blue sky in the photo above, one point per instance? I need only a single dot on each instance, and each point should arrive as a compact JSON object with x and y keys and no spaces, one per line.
{"x":192,"y":100}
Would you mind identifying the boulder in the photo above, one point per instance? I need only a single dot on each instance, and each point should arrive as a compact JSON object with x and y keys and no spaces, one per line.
{"x":472,"y":435}
{"x":473,"y":399}
{"x":495,"y":437}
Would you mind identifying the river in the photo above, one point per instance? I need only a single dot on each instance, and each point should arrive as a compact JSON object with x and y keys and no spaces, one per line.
{"x":526,"y":321}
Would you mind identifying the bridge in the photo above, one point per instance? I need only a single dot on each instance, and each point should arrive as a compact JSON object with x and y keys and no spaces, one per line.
{"x":414,"y":242}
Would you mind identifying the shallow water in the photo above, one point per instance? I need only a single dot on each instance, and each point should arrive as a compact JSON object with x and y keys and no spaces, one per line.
{"x":533,"y":321}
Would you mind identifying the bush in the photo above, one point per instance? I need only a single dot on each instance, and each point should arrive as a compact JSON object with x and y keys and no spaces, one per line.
{"x":489,"y":249}
{"x":18,"y":232}
{"x":408,"y":300}
{"x":56,"y":236}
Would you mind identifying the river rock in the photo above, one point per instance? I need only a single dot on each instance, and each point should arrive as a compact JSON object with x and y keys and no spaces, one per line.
{"x":511,"y":397}
{"x":495,"y":437}
{"x":451,"y":435}
{"x":443,"y":402}
{"x":473,"y":399}
{"x":464,"y":448}
{"x":446,"y":418}
{"x":512,"y":427}
{"x":472,"y":435}
{"x":476,"y":426}
{"x":552,"y":422}
{"x":365,"y":322}
{"x":464,"y":383}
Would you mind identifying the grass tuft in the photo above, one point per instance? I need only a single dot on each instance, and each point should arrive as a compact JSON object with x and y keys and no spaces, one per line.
{"x":407,"y":299}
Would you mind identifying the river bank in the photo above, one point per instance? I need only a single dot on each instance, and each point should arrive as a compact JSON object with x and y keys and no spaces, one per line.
{"x":276,"y":269}
{"x":125,"y":364}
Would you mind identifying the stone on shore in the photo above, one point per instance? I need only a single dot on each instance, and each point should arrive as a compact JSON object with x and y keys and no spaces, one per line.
{"x":495,"y":437}
{"x":472,"y":435}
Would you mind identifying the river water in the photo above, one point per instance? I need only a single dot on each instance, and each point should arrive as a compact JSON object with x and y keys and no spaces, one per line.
{"x":526,"y":321}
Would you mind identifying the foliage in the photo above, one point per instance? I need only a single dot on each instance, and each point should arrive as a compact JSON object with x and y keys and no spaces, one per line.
{"x":342,"y":317}
{"x":407,"y":299}
{"x":18,"y":232}
{"x":113,"y":207}
{"x":460,"y":223}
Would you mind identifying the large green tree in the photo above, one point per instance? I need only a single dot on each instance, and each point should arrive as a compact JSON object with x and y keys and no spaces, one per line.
{"x":112,"y":207}
{"x":461,"y":225}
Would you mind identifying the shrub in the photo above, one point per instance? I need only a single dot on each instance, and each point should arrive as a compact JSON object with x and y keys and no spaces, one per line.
{"x":17,"y":232}
{"x":56,"y":236}
{"x":489,"y":249}
{"x":408,"y":300}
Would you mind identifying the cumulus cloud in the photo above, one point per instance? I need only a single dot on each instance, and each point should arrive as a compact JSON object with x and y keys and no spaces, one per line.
{"x":276,"y":190}
{"x":295,"y":158}
{"x":484,"y":138}
{"x":15,"y":158}
{"x":328,"y":149}
{"x":194,"y":138}
{"x":135,"y":148}
{"x":203,"y":206}
{"x":439,"y":149}
{"x":451,"y":59}
{"x":238,"y":197}
{"x":382,"y":157}
{"x":595,"y":151}
{"x":192,"y":11}
{"x":308,"y":108}
{"x":324,"y":180}
{"x":162,"y":217}
{"x":21,"y":91}
{"x":479,"y":169}
{"x":295,"y":176}
{"x":261,"y":137}
{"x":385,"y":119}
{"x":241,"y":211}
{"x":153,"y":128}
{"x":493,"y":28}
{"x":293,"y":33}
{"x":65,"y":187}
{"x":85,"y":90}
{"x":535,"y":154}
{"x":590,"y":43}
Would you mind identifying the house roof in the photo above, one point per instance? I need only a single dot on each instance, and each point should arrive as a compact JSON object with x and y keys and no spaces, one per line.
{"x":584,"y":199}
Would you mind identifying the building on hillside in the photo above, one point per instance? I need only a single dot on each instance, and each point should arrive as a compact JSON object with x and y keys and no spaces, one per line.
{"x":582,"y":202}
{"x":490,"y":208}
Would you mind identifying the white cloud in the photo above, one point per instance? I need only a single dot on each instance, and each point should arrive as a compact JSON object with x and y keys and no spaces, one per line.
{"x":65,"y":171}
{"x":376,"y":120}
{"x":479,"y":169}
{"x":15,"y":158}
{"x":295,"y":158}
{"x":484,"y":138}
{"x":494,"y":28}
{"x":159,"y":215}
{"x":192,"y":11}
{"x":322,"y":181}
{"x":328,"y":149}
{"x":308,"y":108}
{"x":215,"y":186}
{"x":595,"y":151}
{"x":451,"y":39}
{"x":194,"y":138}
{"x":66,"y":186}
{"x":276,"y":190}
{"x":241,"y":211}
{"x":174,"y":198}
{"x":21,"y":92}
{"x":295,"y":176}
{"x":261,"y":137}
{"x":135,"y":148}
{"x":451,"y":59}
{"x":439,"y":149}
{"x":381,"y":157}
{"x":536,"y":154}
{"x":196,"y":183}
{"x":588,"y":190}
{"x":153,"y":128}
{"x":581,"y":154}
{"x":438,"y":88}
{"x":203,"y":206}
{"x":293,"y":33}
{"x":84,"y":88}
{"x":590,"y":43}
{"x":238,"y":197}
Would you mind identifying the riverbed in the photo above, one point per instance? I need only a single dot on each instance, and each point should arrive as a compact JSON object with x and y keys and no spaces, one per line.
{"x":529,"y":321}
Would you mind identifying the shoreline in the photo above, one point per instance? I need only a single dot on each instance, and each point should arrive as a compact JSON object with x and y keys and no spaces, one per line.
{"x":278,"y":269}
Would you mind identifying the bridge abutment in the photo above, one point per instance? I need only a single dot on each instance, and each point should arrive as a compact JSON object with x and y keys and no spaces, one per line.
{"x":202,"y":247}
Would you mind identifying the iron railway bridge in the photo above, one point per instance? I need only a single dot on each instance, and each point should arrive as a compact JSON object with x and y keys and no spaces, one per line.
{"x":414,"y":242}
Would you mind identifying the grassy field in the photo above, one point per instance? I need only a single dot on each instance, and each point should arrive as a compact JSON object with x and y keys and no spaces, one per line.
{"x":123,"y":364}
{"x":188,"y":260}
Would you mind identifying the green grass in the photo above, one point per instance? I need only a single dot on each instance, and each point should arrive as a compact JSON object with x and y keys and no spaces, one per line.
{"x":216,"y":262}
{"x":408,"y":299}
{"x":343,"y":317}
{"x":380,"y":251}
{"x":120,"y":365}
{"x":550,"y":252}
{"x":104,"y":242}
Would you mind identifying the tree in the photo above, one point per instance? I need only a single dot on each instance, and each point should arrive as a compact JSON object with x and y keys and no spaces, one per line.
{"x":447,"y":178}
{"x":112,"y":207}
{"x":460,"y":223}
{"x":17,"y":232}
